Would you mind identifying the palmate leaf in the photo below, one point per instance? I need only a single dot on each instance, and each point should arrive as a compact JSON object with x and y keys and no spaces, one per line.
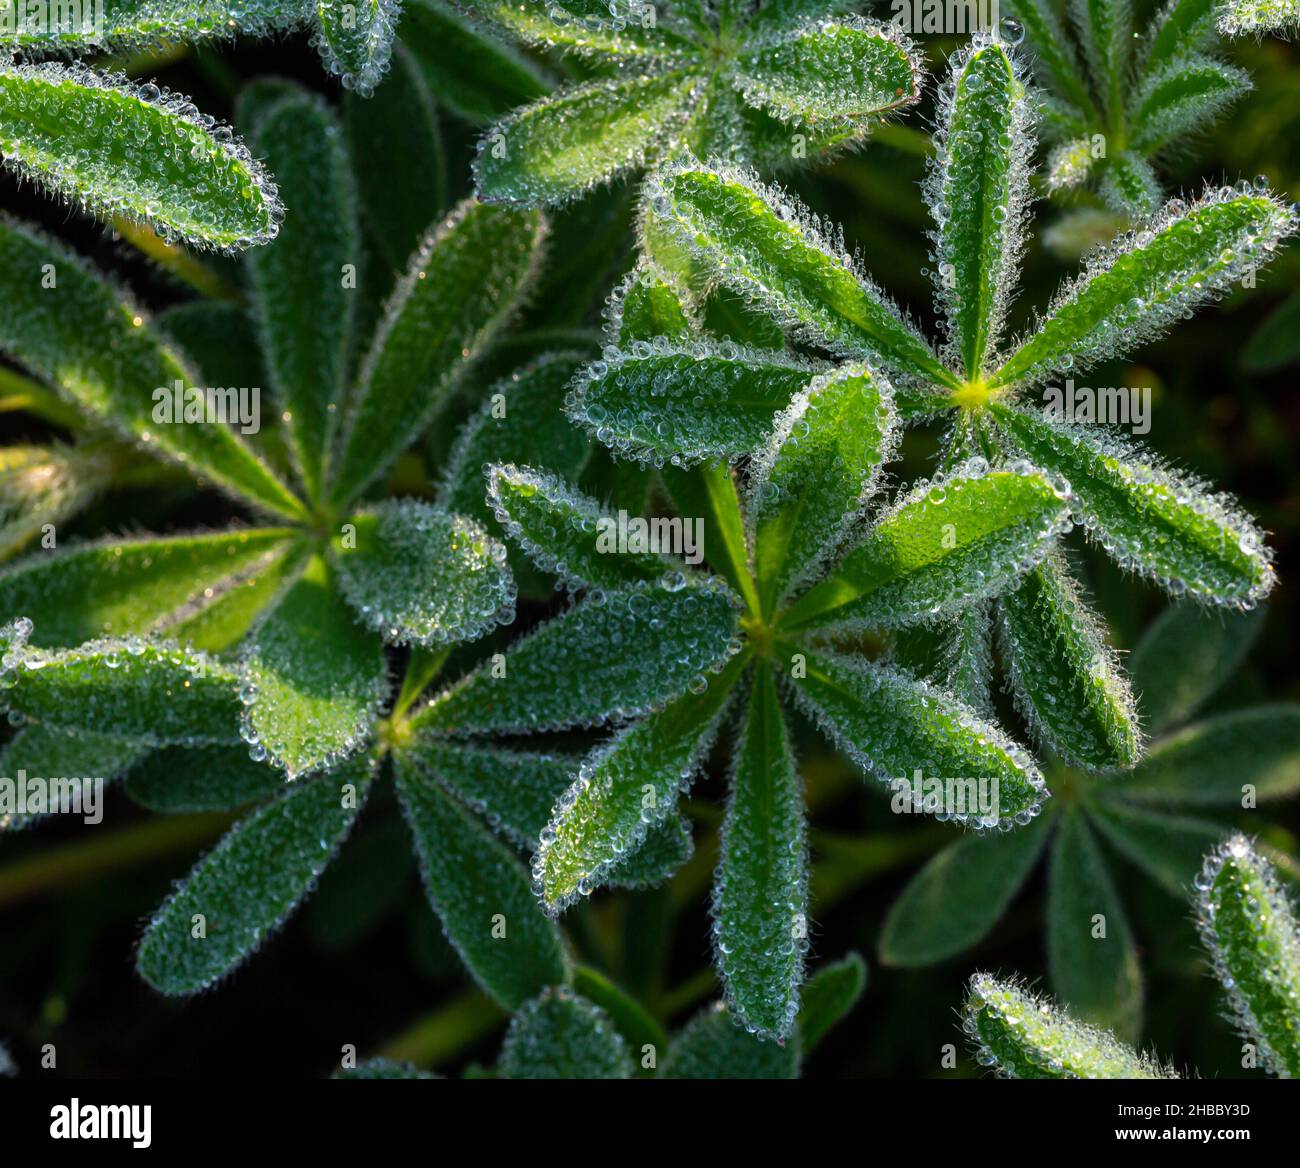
{"x":685,"y":403}
{"x":1186,"y":94}
{"x":713,"y":1046}
{"x":959,"y":538}
{"x":979,"y":194}
{"x":811,"y":480}
{"x":186,"y":779}
{"x":421,"y":575}
{"x":245,"y":888}
{"x":117,"y":148}
{"x":624,"y":789}
{"x":304,"y":306}
{"x":118,"y":587}
{"x":1256,"y":17}
{"x":892,"y":726}
{"x":479,"y":889}
{"x":1133,"y":290}
{"x":1068,"y":682}
{"x":957,"y":898}
{"x":96,"y":349}
{"x":646,"y":304}
{"x":311,"y":679}
{"x":1090,"y":950}
{"x":567,"y":534}
{"x":827,"y":997}
{"x":1105,"y":28}
{"x":1249,"y":926}
{"x":1150,"y":519}
{"x":355,"y":39}
{"x":760,"y":898}
{"x":1023,"y":1036}
{"x":613,"y":656}
{"x":150,"y":691}
{"x":769,"y":249}
{"x":560,"y":1035}
{"x":462,"y":285}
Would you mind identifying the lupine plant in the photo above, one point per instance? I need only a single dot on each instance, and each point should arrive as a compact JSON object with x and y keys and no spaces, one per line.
{"x":1249,"y":928}
{"x":1119,"y":98}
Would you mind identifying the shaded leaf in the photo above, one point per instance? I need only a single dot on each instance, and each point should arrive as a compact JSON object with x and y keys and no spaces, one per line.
{"x":184,"y":779}
{"x":560,"y":1035}
{"x":829,"y":995}
{"x":713,"y":1046}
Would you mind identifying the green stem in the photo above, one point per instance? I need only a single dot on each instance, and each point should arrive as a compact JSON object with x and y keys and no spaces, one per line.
{"x":22,"y":393}
{"x":421,"y":669}
{"x":631,"y":1018}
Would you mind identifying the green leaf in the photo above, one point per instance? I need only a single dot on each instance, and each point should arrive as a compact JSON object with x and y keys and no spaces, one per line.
{"x":1276,"y":342}
{"x":713,"y":1046}
{"x":420,"y":575}
{"x":1183,"y":96}
{"x":1106,"y":29}
{"x":760,"y":897}
{"x":42,"y":484}
{"x":133,"y":586}
{"x":957,"y":539}
{"x":560,"y":1035}
{"x":118,"y":148}
{"x":589,"y":27}
{"x":667,"y":846}
{"x":185,"y":779}
{"x":626,"y":788}
{"x":1149,"y":518}
{"x":892,"y":726}
{"x":1068,"y":683}
{"x":304,"y":305}
{"x":151,"y":691}
{"x":219,"y":339}
{"x":1090,"y":950}
{"x":472,"y":73}
{"x":811,"y":481}
{"x":771,"y":251}
{"x":1129,"y":186}
{"x":311,"y":679}
{"x":560,"y":147}
{"x":1188,"y":768}
{"x":569,"y":535}
{"x":61,"y":758}
{"x":1055,"y":61}
{"x":1069,"y":165}
{"x":395,"y":133}
{"x":1167,"y":848}
{"x":1024,"y":1036}
{"x":248,"y":885}
{"x":1256,"y":17}
{"x":827,"y":997}
{"x":1248,"y":924}
{"x":979,"y":195}
{"x":1181,"y":27}
{"x":1185,"y":656}
{"x":462,"y":286}
{"x":479,"y":889}
{"x":961,"y":893}
{"x":646,"y":304}
{"x":355,"y":40}
{"x":1133,"y":290}
{"x":84,"y":337}
{"x":832,"y":68}
{"x":612,"y":657}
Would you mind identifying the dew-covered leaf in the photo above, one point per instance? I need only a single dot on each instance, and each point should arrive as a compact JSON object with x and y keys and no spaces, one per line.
{"x":311,"y":679}
{"x":1248,"y":924}
{"x":85,"y":337}
{"x":713,"y":1045}
{"x":1069,"y":165}
{"x":417,"y":574}
{"x":561,"y":1035}
{"x":612,"y":657}
{"x":768,"y":248}
{"x":1182,"y":26}
{"x":685,"y":403}
{"x":248,"y":885}
{"x":1021,"y":1035}
{"x":620,"y":30}
{"x":948,"y":543}
{"x":1149,"y":518}
{"x":1133,"y":290}
{"x":479,"y":889}
{"x":462,"y":285}
{"x":1090,"y":950}
{"x":1105,"y":28}
{"x":117,"y":148}
{"x":811,"y":480}
{"x":827,"y":997}
{"x":760,"y":898}
{"x":624,"y":789}
{"x":644,"y":305}
{"x":826,"y":69}
{"x":303,"y":302}
{"x":666,"y":847}
{"x":1130,"y":186}
{"x":355,"y":40}
{"x":132,"y":586}
{"x":185,"y":779}
{"x":978,"y":191}
{"x":955,"y":900}
{"x":1055,"y":61}
{"x":1256,"y":17}
{"x":1068,"y":683}
{"x":892,"y":726}
{"x":568,"y":535}
{"x":1182,"y":97}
